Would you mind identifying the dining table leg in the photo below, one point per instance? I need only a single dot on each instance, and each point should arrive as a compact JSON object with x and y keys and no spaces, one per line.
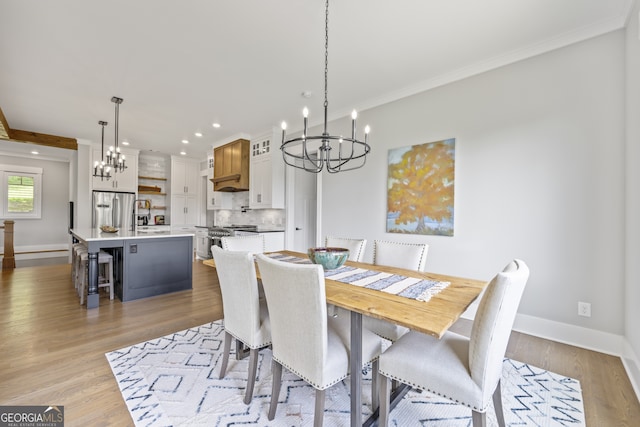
{"x":92,"y":294}
{"x":356,"y":369}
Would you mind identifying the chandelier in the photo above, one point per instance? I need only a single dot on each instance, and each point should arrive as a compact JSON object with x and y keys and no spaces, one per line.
{"x":100,"y":170}
{"x":313,"y":152}
{"x":115,"y":159}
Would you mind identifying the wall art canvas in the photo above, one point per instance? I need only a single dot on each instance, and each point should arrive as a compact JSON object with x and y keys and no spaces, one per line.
{"x":420,"y":189}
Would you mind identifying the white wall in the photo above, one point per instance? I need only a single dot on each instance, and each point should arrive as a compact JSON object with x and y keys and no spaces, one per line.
{"x":632,"y":155}
{"x":539,"y":176}
{"x":51,"y":230}
{"x":83,"y":195}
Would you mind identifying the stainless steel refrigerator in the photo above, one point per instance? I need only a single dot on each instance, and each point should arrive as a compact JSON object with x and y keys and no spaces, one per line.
{"x":114,"y":209}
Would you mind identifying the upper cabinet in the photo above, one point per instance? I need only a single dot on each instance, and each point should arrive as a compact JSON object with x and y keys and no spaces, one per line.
{"x":231,"y":166}
{"x":267,"y":173}
{"x":184,"y":176}
{"x":126,"y":180}
{"x":184,"y":191}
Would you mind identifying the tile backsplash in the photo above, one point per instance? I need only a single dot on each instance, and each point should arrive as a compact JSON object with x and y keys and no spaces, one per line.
{"x":241,"y":214}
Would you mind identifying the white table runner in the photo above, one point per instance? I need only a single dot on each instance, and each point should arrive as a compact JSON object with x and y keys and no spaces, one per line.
{"x":408,"y":287}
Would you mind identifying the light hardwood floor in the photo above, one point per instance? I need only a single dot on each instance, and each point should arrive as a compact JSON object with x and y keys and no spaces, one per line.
{"x":52,"y":349}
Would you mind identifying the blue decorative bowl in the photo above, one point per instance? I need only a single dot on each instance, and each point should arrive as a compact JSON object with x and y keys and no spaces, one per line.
{"x":328,"y":258}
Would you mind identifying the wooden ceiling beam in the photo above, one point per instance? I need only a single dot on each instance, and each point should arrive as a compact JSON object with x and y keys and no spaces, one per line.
{"x":44,"y":139}
{"x":33,"y":137}
{"x":4,"y":126}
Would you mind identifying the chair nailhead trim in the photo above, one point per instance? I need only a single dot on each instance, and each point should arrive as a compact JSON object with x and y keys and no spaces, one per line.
{"x":312,"y":383}
{"x":263,"y":345}
{"x":424,"y":248}
{"x":409,"y":383}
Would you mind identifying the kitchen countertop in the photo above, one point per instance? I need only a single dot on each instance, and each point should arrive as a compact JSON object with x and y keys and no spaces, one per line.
{"x":270,"y":229}
{"x":89,"y":234}
{"x":260,"y":228}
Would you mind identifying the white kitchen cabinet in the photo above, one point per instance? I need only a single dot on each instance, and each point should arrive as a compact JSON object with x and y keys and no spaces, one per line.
{"x":273,"y":241}
{"x":184,"y":191}
{"x":203,"y":243}
{"x":217,"y":200}
{"x":184,"y":176}
{"x":126,"y":180}
{"x":184,"y":210}
{"x":266,"y":190}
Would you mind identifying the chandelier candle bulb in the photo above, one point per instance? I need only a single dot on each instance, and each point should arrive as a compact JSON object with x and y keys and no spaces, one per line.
{"x":354,"y":116}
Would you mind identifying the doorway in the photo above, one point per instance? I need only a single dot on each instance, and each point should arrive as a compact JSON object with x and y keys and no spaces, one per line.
{"x":301,"y":209}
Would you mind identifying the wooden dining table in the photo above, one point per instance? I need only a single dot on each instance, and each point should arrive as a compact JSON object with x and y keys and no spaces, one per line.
{"x":433,"y":317}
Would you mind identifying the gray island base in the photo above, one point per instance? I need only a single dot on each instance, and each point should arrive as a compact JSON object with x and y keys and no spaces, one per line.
{"x":145,"y":264}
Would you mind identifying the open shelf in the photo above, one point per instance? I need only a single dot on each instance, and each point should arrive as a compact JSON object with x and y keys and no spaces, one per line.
{"x":152,"y":193}
{"x":151,"y":177}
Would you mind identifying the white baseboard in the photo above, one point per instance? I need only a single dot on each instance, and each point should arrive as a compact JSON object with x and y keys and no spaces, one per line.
{"x":631,"y":365}
{"x":41,"y":251}
{"x":578,"y":336}
{"x":590,"y":339}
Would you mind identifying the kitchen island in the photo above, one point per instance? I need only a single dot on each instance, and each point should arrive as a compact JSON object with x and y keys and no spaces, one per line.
{"x":145,"y":264}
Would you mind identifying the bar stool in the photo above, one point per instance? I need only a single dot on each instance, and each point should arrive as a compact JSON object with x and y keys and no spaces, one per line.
{"x":76,"y":250}
{"x":105,"y":273}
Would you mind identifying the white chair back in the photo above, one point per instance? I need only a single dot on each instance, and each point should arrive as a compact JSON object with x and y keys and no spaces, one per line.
{"x":240,"y":297}
{"x":296,"y":296}
{"x":469,"y":369}
{"x":355,"y":246}
{"x":411,"y":256}
{"x":253,"y":243}
{"x":492,"y":325}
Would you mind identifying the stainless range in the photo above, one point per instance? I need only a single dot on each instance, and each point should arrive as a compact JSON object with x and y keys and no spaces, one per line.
{"x":216,"y":233}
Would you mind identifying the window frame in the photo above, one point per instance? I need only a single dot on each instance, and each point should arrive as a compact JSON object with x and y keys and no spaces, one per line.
{"x":12,"y":170}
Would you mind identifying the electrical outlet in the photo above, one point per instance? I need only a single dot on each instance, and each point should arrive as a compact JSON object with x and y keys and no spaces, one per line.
{"x":584,"y":309}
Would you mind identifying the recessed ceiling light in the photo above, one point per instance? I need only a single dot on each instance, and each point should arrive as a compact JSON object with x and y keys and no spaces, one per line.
{"x":35,"y":152}
{"x":184,"y":153}
{"x":306,"y":94}
{"x":216,"y":125}
{"x":125,"y":142}
{"x":198,"y":134}
{"x":185,"y":141}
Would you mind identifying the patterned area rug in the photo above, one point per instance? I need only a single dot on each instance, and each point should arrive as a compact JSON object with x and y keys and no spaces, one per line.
{"x":173,"y":381}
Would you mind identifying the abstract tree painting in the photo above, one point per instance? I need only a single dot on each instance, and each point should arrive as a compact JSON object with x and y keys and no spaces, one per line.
{"x":420,"y":189}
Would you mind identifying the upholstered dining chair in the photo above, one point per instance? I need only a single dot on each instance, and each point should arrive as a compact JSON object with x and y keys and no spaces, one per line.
{"x":306,"y":341}
{"x":464,"y":370}
{"x":355,"y":246}
{"x":245,"y":315}
{"x":253,"y":243}
{"x":410,"y":256}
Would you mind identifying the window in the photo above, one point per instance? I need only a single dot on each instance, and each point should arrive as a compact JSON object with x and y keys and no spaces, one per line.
{"x":21,"y":191}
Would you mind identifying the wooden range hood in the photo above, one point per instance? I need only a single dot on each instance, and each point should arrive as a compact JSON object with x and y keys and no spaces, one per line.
{"x":231,"y":166}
